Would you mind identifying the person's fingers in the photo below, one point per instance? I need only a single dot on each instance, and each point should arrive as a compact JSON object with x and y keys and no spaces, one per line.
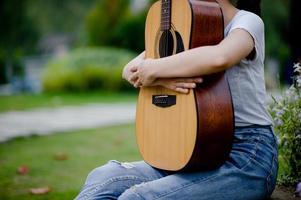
{"x":132,"y":82}
{"x":189,"y":80}
{"x":176,"y":89}
{"x":137,"y":83}
{"x":182,"y":90}
{"x":134,"y":69}
{"x":170,"y":87}
{"x":184,"y":80}
{"x":159,"y":82}
{"x":199,"y":80}
{"x":186,"y":85}
{"x":134,"y":77}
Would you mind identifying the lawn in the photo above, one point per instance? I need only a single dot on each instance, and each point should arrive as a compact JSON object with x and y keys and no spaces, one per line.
{"x":24,"y":102}
{"x":61,"y":161}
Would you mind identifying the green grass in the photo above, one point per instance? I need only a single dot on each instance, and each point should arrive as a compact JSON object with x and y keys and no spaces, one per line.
{"x":85,"y":150}
{"x":24,"y":102}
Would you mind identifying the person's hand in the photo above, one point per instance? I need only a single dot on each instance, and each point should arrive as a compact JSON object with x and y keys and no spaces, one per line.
{"x":180,"y":85}
{"x":139,"y":73}
{"x":128,"y":69}
{"x":144,"y":73}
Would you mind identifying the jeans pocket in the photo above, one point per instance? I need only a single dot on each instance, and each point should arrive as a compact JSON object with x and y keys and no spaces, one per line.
{"x":243,"y":151}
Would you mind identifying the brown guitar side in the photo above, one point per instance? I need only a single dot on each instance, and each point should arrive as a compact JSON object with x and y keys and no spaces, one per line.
{"x":213,"y":97}
{"x":197,"y":132}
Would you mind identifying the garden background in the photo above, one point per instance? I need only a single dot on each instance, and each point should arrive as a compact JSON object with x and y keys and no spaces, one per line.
{"x":65,"y":110}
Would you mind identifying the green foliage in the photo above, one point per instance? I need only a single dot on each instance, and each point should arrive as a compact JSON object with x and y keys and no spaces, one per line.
{"x":275,"y":14}
{"x":110,"y":23}
{"x":57,"y":16}
{"x":103,"y":19}
{"x":287,"y":117}
{"x":130,"y":33}
{"x":87,"y":69}
{"x":18,"y":35}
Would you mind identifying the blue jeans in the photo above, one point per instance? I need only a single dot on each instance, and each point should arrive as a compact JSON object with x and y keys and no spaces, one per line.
{"x":249,"y":174}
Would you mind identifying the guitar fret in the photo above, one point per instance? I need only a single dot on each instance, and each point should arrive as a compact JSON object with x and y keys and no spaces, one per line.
{"x":165,"y":14}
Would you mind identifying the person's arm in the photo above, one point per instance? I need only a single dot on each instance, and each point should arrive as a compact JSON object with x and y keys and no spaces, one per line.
{"x":181,"y":85}
{"x":128,"y":69}
{"x":196,"y":62}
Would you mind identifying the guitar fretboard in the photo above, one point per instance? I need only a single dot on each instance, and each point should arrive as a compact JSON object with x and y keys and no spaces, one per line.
{"x":165,"y":15}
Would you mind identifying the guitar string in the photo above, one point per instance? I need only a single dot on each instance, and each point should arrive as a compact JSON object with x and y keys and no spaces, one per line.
{"x":167,"y":31}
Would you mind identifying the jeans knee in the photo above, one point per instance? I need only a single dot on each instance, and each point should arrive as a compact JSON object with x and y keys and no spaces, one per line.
{"x":130,"y":194}
{"x":94,"y":175}
{"x":101,"y":173}
{"x":98,"y":178}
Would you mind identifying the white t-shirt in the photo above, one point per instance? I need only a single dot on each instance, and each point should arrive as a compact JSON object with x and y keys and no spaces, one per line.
{"x":246,"y":79}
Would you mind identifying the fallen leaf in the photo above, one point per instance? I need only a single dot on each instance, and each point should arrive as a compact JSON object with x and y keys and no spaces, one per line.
{"x":23,"y":170}
{"x":61,"y":156}
{"x":40,"y":191}
{"x":118,"y":142}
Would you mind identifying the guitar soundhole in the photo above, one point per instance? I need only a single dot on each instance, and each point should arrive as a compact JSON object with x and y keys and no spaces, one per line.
{"x":170,"y":43}
{"x":166,"y":44}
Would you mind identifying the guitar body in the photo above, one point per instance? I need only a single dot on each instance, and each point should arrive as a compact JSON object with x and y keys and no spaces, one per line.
{"x":180,"y":132}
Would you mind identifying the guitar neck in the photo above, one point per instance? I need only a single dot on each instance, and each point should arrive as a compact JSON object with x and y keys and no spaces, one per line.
{"x":165,"y":15}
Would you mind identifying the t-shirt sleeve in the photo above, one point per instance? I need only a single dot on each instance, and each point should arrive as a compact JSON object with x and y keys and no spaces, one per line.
{"x":254,"y":25}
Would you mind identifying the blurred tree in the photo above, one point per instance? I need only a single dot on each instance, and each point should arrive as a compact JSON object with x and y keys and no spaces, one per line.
{"x":18,"y":35}
{"x":130,"y":33}
{"x":111,"y":23}
{"x":103,"y":19}
{"x":275,"y":15}
{"x":60,"y":17}
{"x":295,"y":30}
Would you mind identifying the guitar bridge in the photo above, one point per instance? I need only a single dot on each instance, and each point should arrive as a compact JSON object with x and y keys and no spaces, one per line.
{"x":164,"y":101}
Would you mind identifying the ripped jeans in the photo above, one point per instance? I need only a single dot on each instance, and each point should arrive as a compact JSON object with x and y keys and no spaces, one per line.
{"x":249,"y":174}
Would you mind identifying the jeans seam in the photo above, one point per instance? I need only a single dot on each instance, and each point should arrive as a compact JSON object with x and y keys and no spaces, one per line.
{"x":136,"y":193}
{"x":270,"y":174}
{"x":97,"y":186}
{"x":252,"y":156}
{"x":118,"y":178}
{"x":184,"y":186}
{"x":268,"y":171}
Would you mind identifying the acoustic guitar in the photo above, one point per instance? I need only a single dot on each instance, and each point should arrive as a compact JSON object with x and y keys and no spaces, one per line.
{"x":180,"y":132}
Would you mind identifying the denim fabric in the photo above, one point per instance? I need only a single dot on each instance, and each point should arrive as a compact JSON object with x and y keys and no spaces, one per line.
{"x":249,"y":174}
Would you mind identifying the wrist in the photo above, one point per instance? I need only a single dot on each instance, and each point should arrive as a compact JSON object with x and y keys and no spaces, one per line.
{"x":152,"y":68}
{"x":125,"y":73}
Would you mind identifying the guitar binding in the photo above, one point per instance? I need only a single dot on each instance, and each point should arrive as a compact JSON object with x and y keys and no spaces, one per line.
{"x":169,"y":38}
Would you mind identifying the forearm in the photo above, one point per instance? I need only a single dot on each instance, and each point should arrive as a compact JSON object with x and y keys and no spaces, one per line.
{"x":196,"y":62}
